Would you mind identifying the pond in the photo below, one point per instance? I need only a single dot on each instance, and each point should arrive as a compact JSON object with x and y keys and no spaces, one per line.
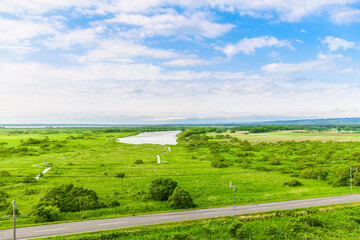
{"x":161,"y":137}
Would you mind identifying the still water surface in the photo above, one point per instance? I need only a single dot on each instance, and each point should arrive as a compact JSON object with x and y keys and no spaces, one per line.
{"x":161,"y":137}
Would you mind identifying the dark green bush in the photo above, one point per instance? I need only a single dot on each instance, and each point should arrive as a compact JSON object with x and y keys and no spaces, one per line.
{"x":274,"y":161}
{"x":29,"y":191}
{"x":293,"y":183}
{"x":311,"y":220}
{"x":272,"y":231}
{"x":238,"y":229}
{"x":4,"y":202}
{"x":162,"y":188}
{"x":218,"y":163}
{"x":180,"y":199}
{"x":4,"y":173}
{"x":120,"y":175}
{"x":69,"y":198}
{"x":139,"y":161}
{"x":314,"y":173}
{"x":29,"y":179}
{"x":114,"y":203}
{"x":46,"y":213}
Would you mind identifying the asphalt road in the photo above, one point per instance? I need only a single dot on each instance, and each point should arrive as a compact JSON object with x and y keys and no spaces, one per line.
{"x":123,"y":222}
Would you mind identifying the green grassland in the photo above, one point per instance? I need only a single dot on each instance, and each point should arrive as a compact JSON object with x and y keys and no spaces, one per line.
{"x":335,"y":222}
{"x":293,"y":135}
{"x":92,"y":158}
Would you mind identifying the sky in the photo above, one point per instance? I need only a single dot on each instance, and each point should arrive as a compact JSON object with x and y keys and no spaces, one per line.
{"x":167,"y":61}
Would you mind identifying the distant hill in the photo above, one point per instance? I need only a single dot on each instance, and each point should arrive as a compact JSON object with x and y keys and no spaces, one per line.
{"x":326,"y":121}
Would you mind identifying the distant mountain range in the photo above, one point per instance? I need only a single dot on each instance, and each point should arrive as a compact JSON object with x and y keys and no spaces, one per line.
{"x":207,"y":122}
{"x":326,"y":121}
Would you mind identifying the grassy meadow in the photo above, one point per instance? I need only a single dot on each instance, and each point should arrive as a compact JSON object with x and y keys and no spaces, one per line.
{"x":91,"y":158}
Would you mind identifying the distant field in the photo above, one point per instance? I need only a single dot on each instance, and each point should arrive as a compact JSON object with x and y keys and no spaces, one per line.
{"x":91,"y":158}
{"x":293,"y":136}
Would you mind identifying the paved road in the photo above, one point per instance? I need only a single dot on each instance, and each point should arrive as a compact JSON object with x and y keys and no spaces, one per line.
{"x":122,"y":222}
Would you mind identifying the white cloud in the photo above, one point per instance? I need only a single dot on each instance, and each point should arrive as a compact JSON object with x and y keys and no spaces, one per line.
{"x":172,"y":23}
{"x":118,"y":50}
{"x":336,"y":43}
{"x":249,"y":45}
{"x":345,"y":16}
{"x":13,"y":31}
{"x":322,"y":63}
{"x":290,"y":11}
{"x":186,"y":62}
{"x":43,"y":6}
{"x":84,"y":37}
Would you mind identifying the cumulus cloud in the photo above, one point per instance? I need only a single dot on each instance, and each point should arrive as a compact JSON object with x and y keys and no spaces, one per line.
{"x":172,"y":23}
{"x":13,"y":31}
{"x":249,"y":45}
{"x":65,"y":40}
{"x":345,"y":16}
{"x":337,"y":43}
{"x":120,"y":50}
{"x":186,"y":62}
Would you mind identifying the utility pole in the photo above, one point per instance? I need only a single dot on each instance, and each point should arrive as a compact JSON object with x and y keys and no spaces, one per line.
{"x":235,"y":189}
{"x":14,"y":220}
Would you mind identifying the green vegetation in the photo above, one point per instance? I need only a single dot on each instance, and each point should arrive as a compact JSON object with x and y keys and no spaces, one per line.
{"x":335,"y":222}
{"x":203,"y":164}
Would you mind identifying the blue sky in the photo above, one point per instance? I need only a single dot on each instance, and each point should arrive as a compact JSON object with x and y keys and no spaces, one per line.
{"x":165,"y":61}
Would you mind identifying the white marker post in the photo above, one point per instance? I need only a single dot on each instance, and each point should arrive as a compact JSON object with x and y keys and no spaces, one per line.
{"x":14,"y":220}
{"x":351,"y":178}
{"x":235,"y":189}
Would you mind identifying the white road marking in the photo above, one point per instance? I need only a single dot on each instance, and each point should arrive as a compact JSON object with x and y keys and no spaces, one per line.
{"x":49,"y":230}
{"x":166,"y":217}
{"x":216,"y":212}
{"x":112,"y":223}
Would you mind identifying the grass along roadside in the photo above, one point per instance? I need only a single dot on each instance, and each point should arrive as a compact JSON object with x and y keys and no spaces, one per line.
{"x":328,"y":222}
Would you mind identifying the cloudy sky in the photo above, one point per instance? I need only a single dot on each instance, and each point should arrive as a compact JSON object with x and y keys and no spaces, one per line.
{"x":166,"y":61}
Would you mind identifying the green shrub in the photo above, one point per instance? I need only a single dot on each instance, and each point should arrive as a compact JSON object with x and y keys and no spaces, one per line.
{"x":69,"y":198}
{"x":10,"y":210}
{"x":238,"y":229}
{"x":342,"y":176}
{"x":138,"y":161}
{"x":29,"y":191}
{"x":218,"y":163}
{"x":311,"y":220}
{"x":180,"y":236}
{"x":29,"y":179}
{"x":46,"y":213}
{"x":114,"y":203}
{"x":272,"y":231}
{"x":4,"y":202}
{"x":293,"y":183}
{"x":274,"y":161}
{"x":162,"y":188}
{"x":180,"y":199}
{"x":4,"y":173}
{"x":120,"y":175}
{"x":314,"y":173}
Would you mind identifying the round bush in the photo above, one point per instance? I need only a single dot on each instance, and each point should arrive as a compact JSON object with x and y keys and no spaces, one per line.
{"x":46,"y":213}
{"x":162,"y":188}
{"x":138,"y":161}
{"x":180,"y":199}
{"x":69,"y":198}
{"x":293,"y":183}
{"x":120,"y":175}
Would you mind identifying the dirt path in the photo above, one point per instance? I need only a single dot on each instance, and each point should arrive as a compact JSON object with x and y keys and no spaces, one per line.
{"x":158,"y":156}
